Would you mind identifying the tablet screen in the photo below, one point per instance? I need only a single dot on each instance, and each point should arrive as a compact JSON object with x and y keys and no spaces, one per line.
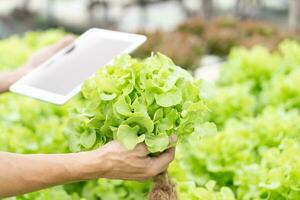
{"x":68,"y":70}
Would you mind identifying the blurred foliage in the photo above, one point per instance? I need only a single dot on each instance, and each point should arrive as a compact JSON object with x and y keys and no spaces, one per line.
{"x":194,"y":25}
{"x":219,"y":41}
{"x":216,"y":36}
{"x":183,"y":48}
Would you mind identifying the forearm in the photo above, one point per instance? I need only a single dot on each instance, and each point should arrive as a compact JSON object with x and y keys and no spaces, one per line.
{"x":21,"y":174}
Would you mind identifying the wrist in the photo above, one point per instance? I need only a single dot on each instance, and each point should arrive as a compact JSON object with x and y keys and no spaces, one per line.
{"x":93,"y":164}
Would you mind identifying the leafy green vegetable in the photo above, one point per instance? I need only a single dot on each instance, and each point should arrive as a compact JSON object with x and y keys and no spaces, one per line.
{"x":235,"y":101}
{"x":256,"y":65}
{"x":55,"y":193}
{"x":30,"y":126}
{"x":190,"y":191}
{"x":139,"y":100}
{"x":115,"y":190}
{"x":255,"y":153}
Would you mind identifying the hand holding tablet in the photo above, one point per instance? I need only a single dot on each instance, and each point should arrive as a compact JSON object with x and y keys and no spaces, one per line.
{"x":60,"y":78}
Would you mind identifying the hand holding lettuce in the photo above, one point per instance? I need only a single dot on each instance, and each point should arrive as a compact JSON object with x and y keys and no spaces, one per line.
{"x":135,"y":101}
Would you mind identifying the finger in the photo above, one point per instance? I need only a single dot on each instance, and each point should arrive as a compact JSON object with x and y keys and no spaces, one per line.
{"x":163,"y":160}
{"x":63,"y":43}
{"x":172,"y":140}
{"x":142,"y":149}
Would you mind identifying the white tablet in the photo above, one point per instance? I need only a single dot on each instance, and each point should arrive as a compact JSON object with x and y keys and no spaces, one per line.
{"x":61,"y":77}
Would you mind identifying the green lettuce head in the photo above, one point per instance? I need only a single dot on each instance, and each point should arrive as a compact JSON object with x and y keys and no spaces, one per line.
{"x":137,"y":101}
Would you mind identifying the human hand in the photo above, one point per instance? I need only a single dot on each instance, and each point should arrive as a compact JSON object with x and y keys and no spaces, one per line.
{"x":45,"y":53}
{"x":8,"y":78}
{"x":20,"y":174}
{"x":114,"y":161}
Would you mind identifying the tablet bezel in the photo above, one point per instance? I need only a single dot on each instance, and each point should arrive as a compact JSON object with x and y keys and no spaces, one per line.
{"x":21,"y":88}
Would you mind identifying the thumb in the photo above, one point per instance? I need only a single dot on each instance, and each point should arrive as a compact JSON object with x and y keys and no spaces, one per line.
{"x":173,"y":140}
{"x":62,"y":43}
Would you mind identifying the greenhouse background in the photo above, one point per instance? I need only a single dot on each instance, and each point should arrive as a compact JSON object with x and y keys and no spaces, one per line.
{"x":249,"y":52}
